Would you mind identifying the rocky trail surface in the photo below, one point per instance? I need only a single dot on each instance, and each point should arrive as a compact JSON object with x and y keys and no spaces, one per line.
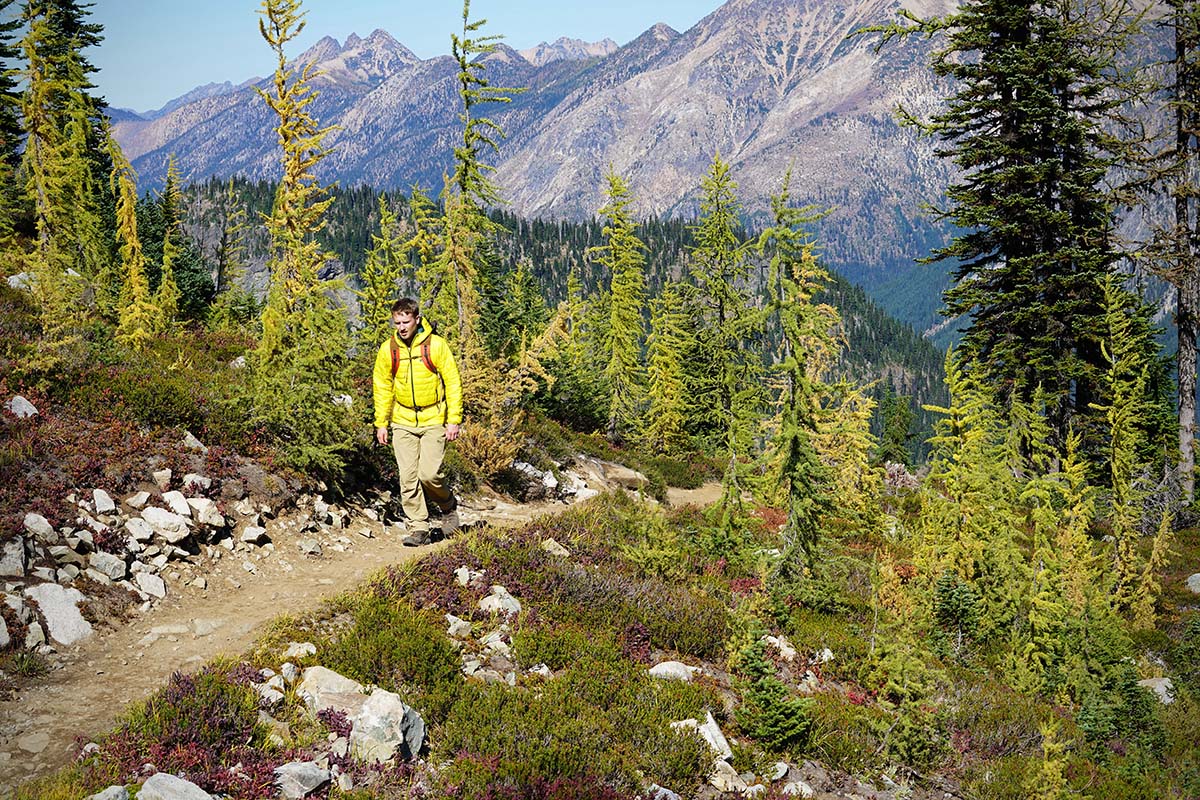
{"x":220,"y":611}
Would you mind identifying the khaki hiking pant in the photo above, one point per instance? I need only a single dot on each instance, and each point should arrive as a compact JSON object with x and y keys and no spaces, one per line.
{"x":419,"y":453}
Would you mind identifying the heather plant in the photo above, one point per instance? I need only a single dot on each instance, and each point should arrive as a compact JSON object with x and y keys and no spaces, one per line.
{"x":204,"y":726}
{"x":396,"y":647}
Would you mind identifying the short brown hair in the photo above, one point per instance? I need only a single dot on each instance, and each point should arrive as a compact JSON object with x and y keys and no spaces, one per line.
{"x":406,"y":305}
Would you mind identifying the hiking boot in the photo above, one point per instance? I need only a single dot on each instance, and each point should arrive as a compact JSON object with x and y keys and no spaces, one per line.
{"x":416,"y":539}
{"x":448,"y":510}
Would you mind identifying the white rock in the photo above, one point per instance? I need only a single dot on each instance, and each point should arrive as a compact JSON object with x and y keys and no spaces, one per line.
{"x":459,"y":628}
{"x":299,"y":779}
{"x":12,"y":558}
{"x":60,"y":609}
{"x":178,"y":503}
{"x":205,"y":512}
{"x":192,"y":443}
{"x":238,"y":363}
{"x":541,"y":669}
{"x":111,"y":566}
{"x":39,"y":527}
{"x":167,"y":524}
{"x":725,"y":778}
{"x":323,"y":688}
{"x":19,"y":407}
{"x":4,"y":637}
{"x":585,"y":494}
{"x":755,"y":790}
{"x":254,"y":535}
{"x":824,"y":656}
{"x":137,"y":500}
{"x":103,"y":502}
{"x":164,"y":786}
{"x":34,"y":636}
{"x":386,"y":726}
{"x":675,"y":670}
{"x":779,"y":771}
{"x":656,"y":792}
{"x":14,"y":601}
{"x":494,"y":643}
{"x":162,"y":479}
{"x":1163,"y":688}
{"x":139,"y":529}
{"x":300,"y":650}
{"x":22,"y":280}
{"x":196,"y":482}
{"x":710,"y":731}
{"x":555,"y":549}
{"x":798,"y":789}
{"x":151,"y":584}
{"x":111,"y":793}
{"x":1193,"y":582}
{"x":500,"y":602}
{"x":781,"y":644}
{"x":310,"y":547}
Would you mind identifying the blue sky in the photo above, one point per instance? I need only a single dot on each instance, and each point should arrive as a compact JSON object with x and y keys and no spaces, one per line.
{"x":156,"y":50}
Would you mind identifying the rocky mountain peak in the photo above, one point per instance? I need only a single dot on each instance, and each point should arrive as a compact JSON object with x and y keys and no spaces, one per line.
{"x":565,"y":49}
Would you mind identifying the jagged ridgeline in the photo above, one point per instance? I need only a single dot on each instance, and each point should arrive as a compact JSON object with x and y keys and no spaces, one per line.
{"x":880,"y":347}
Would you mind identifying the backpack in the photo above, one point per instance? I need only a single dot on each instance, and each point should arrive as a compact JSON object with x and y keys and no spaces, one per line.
{"x":425,"y":359}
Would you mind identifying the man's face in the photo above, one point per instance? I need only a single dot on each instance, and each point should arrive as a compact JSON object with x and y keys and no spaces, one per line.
{"x":406,"y":324}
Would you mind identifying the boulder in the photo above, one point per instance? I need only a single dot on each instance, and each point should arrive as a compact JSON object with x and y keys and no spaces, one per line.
{"x":39,"y":527}
{"x":107,"y":564}
{"x":205,"y":512}
{"x":139,"y":530}
{"x":299,"y":779}
{"x":19,"y":407}
{"x":1193,"y":582}
{"x":386,"y":726}
{"x":164,"y":786}
{"x":675,"y":670}
{"x":102,"y":501}
{"x":60,"y":609}
{"x":12,"y":558}
{"x":178,"y":503}
{"x":111,"y":793}
{"x":323,"y":688}
{"x":167,"y":524}
{"x":151,"y":584}
{"x":1163,"y":688}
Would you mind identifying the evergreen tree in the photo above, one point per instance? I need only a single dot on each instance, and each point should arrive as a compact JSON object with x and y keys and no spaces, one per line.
{"x":233,"y":305}
{"x":897,"y":414}
{"x":665,"y":427}
{"x":138,"y":316}
{"x":166,"y":298}
{"x":1026,"y":125}
{"x":523,"y":309}
{"x":11,"y":133}
{"x":727,"y":361}
{"x":623,"y":256}
{"x":299,"y":368}
{"x":380,"y":279}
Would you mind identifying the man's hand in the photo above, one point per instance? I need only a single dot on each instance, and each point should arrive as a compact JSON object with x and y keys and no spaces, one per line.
{"x":451,"y":432}
{"x":381,"y":435}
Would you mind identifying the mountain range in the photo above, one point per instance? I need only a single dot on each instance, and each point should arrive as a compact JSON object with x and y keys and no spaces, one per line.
{"x":771,"y":85}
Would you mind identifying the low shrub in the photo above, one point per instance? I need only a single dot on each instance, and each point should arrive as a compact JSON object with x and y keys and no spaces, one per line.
{"x":398,"y":648}
{"x":846,"y":734}
{"x":559,"y":646}
{"x":204,"y":727}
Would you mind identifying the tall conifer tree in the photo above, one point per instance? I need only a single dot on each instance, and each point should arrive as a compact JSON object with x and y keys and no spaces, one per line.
{"x":665,"y":427}
{"x":299,"y":369}
{"x":623,"y":256}
{"x":138,"y":316}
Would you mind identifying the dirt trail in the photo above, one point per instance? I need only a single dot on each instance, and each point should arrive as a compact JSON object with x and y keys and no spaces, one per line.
{"x":116,"y":667}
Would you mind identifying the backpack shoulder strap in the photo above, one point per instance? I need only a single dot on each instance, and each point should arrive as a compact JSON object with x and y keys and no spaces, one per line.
{"x":395,"y":355}
{"x":425,"y":359}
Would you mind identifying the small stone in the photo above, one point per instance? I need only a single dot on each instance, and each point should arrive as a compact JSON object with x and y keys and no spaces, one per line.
{"x":726,"y":779}
{"x":34,"y":743}
{"x":4,"y":637}
{"x":200,"y":582}
{"x":162,"y":479}
{"x":137,"y":500}
{"x":111,"y":566}
{"x":19,"y":407}
{"x":12,"y":558}
{"x":459,"y":628}
{"x":300,"y":779}
{"x":1193,"y":583}
{"x":501,"y":602}
{"x":300,"y":650}
{"x":779,"y":771}
{"x":103,"y":502}
{"x":139,"y":530}
{"x":310,"y":547}
{"x":151,"y":584}
{"x":39,"y":527}
{"x":246,"y":565}
{"x":178,"y":503}
{"x":165,"y":786}
{"x":196,"y":482}
{"x":192,"y":443}
{"x":674,"y":670}
{"x":34,"y":637}
{"x":555,"y":549}
{"x":205,"y":512}
{"x":798,"y":789}
{"x":111,"y":793}
{"x":167,"y":524}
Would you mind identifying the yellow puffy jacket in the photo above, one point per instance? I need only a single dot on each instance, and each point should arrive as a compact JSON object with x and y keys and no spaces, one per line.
{"x":416,"y":397}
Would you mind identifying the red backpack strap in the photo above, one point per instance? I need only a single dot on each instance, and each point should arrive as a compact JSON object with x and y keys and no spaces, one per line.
{"x":425,"y":359}
{"x":395,"y":356}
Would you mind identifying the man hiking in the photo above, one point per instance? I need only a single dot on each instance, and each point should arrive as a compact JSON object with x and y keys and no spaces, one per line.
{"x":418,"y":393}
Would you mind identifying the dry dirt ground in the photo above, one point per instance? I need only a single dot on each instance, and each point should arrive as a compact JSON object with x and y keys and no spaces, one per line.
{"x":116,"y":667}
